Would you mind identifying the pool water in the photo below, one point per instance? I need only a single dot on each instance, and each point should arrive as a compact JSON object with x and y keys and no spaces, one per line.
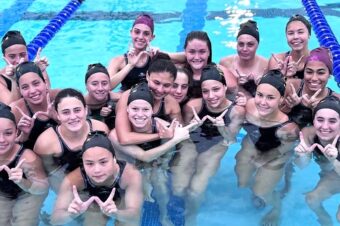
{"x":97,"y":32}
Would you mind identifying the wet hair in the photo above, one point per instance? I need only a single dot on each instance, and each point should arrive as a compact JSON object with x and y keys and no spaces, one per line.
{"x":141,"y":91}
{"x":329,"y":102}
{"x":25,"y":68}
{"x":202,"y":36}
{"x":302,"y":19}
{"x":68,"y":92}
{"x":95,"y":68}
{"x":249,"y":28}
{"x":323,"y":55}
{"x":5,"y":112}
{"x":12,"y":38}
{"x":160,"y":55}
{"x":162,"y":65}
{"x":275,"y":79}
{"x":98,"y":138}
{"x":212,"y":72}
{"x":146,"y":19}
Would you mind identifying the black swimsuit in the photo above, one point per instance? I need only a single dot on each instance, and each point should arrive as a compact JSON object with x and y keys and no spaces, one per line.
{"x":103,"y":192}
{"x":8,"y":82}
{"x":207,"y":130}
{"x":108,"y":120}
{"x":161,"y":112}
{"x":71,"y":159}
{"x":38,"y":128}
{"x":8,"y":188}
{"x":136,"y":75}
{"x":264,"y":138}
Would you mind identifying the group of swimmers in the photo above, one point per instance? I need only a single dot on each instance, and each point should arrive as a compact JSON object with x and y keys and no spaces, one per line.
{"x":175,"y":115}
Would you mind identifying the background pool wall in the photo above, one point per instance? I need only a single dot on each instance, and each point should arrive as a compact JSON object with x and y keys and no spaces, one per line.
{"x":324,"y":34}
{"x":48,"y":32}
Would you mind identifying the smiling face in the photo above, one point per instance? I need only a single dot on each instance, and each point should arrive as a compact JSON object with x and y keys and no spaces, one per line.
{"x":160,"y":84}
{"x":327,"y":124}
{"x":267,"y":99}
{"x":15,"y":52}
{"x":98,"y":86}
{"x":141,"y":35}
{"x":316,"y":75}
{"x":297,"y":35}
{"x":139,"y":114}
{"x":213,"y":92}
{"x":197,"y":54}
{"x":8,"y":133}
{"x":179,"y":89}
{"x":99,"y":165}
{"x":71,"y":113}
{"x":32,"y":88}
{"x":246,"y":47}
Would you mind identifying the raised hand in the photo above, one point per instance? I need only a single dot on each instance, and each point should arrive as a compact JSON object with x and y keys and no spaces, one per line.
{"x":42,"y":62}
{"x":292,"y":66}
{"x":293,"y":99}
{"x":302,"y":147}
{"x":109,"y":206}
{"x":10,"y":68}
{"x":330,"y":151}
{"x":106,"y":111}
{"x":14,"y":174}
{"x":218,"y":121}
{"x":134,"y":58}
{"x":196,"y":121}
{"x":242,"y":78}
{"x":282,"y":64}
{"x":311,"y":101}
{"x":241,"y":99}
{"x":77,"y":206}
{"x":165,"y":131}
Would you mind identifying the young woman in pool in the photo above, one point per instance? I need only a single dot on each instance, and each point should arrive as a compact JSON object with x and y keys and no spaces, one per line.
{"x":102,"y":188}
{"x":100,"y":100}
{"x":321,"y":142}
{"x":151,"y":157}
{"x":246,"y":66}
{"x":220,"y":120}
{"x":33,"y":112}
{"x":291,"y":63}
{"x":23,"y":182}
{"x":131,"y":68}
{"x":303,"y":95}
{"x":60,"y":146}
{"x":160,"y":77}
{"x":14,"y":52}
{"x":198,"y":54}
{"x":267,"y":147}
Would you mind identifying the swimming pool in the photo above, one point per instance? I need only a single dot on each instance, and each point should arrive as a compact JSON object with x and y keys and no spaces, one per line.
{"x":100,"y":31}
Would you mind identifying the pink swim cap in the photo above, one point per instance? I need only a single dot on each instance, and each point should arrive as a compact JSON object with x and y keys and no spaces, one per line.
{"x":322,"y":54}
{"x":144,"y":19}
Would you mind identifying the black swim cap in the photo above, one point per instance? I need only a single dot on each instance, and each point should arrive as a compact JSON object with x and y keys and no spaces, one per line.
{"x":274,"y":78}
{"x":12,"y":38}
{"x":298,"y":17}
{"x":330,"y":102}
{"x":141,"y":91}
{"x":249,"y":28}
{"x":5,"y":112}
{"x":98,"y":138}
{"x":95,"y":68}
{"x":212,"y":72}
{"x":27,"y":67}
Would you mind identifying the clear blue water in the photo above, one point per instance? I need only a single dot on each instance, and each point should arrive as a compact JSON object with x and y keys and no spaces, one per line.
{"x":101,"y":31}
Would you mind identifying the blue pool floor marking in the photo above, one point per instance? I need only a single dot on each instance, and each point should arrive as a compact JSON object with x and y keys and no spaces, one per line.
{"x":12,"y":15}
{"x":193,"y":18}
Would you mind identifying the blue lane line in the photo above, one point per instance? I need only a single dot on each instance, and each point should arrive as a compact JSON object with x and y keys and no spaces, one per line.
{"x":13,"y":14}
{"x":193,"y":19}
